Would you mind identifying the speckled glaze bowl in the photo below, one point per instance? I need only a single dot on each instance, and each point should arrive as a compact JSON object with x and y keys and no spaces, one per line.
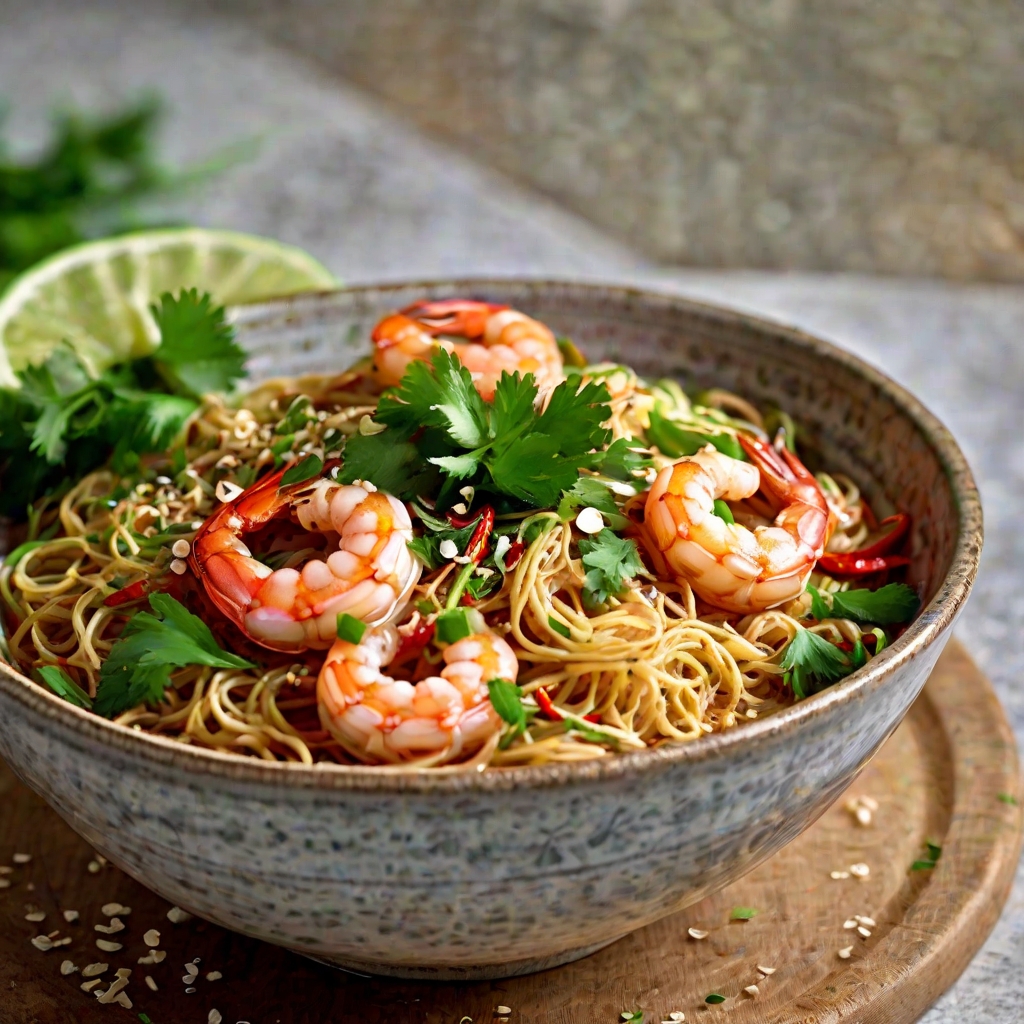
{"x":485,"y":875}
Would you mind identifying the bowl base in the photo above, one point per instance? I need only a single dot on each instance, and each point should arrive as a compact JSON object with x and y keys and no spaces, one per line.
{"x":481,"y":972}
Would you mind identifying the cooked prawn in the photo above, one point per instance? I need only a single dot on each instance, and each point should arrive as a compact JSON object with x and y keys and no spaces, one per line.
{"x":368,"y":576}
{"x":381,"y":719}
{"x":500,"y":340}
{"x":728,"y":565}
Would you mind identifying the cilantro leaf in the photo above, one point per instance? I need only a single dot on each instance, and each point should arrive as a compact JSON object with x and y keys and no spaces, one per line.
{"x":197,"y":353}
{"x":576,"y":417}
{"x":513,"y":404}
{"x":893,"y":603}
{"x":533,"y":470}
{"x":593,"y":493}
{"x":390,"y":461}
{"x":437,"y":394}
{"x":674,"y":440}
{"x":300,"y":472}
{"x":811,"y":663}
{"x":611,"y":561}
{"x":138,"y":668}
{"x":621,"y":461}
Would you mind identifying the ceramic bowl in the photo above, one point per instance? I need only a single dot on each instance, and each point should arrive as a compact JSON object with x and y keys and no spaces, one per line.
{"x":490,"y":874}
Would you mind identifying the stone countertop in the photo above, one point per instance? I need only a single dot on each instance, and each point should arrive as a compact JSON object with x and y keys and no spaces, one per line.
{"x":339,"y":175}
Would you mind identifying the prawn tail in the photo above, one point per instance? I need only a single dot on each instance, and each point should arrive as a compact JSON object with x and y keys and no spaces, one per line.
{"x":463,"y":317}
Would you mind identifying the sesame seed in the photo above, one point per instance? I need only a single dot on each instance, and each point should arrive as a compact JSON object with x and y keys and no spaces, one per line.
{"x":448,"y":548}
{"x":839,"y":874}
{"x":860,"y":870}
{"x":67,"y":967}
{"x":751,"y":990}
{"x":91,"y":970}
{"x":178,"y":916}
{"x":844,"y":953}
{"x":590,"y":520}
{"x":151,"y":938}
{"x":864,"y":931}
{"x":71,"y":916}
{"x":214,"y":1017}
{"x":468,"y":492}
{"x":4,"y":883}
{"x":107,"y":946}
{"x":178,"y":567}
{"x":863,"y":816}
{"x":459,"y":508}
{"x":677,"y":1015}
{"x":850,"y":922}
{"x":88,"y":986}
{"x":751,"y":713}
{"x":5,"y":870}
{"x":31,"y":887}
{"x":766,"y":970}
{"x":53,"y":934}
{"x":189,"y":991}
{"x":868,"y":921}
{"x":36,"y":916}
{"x":66,"y":941}
{"x":163,"y":481}
{"x":94,"y":866}
{"x":503,"y":1010}
{"x":154,"y":956}
{"x":116,"y":925}
{"x":22,"y":858}
{"x":42,"y":943}
{"x":111,"y":993}
{"x":151,"y":983}
{"x":367,"y":426}
{"x":869,"y":803}
{"x":123,"y":1000}
{"x":696,"y":933}
{"x":214,"y":976}
{"x":123,"y":972}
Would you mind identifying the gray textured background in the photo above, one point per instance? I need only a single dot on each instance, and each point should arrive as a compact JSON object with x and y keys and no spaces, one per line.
{"x":342,"y":176}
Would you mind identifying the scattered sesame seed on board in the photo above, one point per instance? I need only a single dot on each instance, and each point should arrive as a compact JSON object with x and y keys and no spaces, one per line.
{"x":67,"y":967}
{"x":123,"y":1000}
{"x":42,"y":943}
{"x":850,"y":923}
{"x":36,"y":916}
{"x":5,"y":870}
{"x":94,"y":866}
{"x":151,"y":983}
{"x":22,"y":858}
{"x":115,"y":910}
{"x":91,"y":970}
{"x":107,"y":946}
{"x":189,"y":991}
{"x":88,"y":986}
{"x":214,"y":976}
{"x":766,"y":970}
{"x":214,"y":1017}
{"x":860,"y":870}
{"x":844,"y":953}
{"x":154,"y":956}
{"x":677,"y":1015}
{"x":151,"y":938}
{"x":867,"y":921}
{"x":751,"y":990}
{"x":110,"y":993}
{"x":178,"y":916}
{"x":5,"y":883}
{"x":502,"y":1010}
{"x":865,"y":932}
{"x":123,"y":972}
{"x":839,"y":875}
{"x":116,"y":925}
{"x":71,"y":916}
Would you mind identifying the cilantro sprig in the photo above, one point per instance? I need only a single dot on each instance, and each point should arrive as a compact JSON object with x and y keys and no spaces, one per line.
{"x":63,"y":422}
{"x":811,"y":663}
{"x":138,"y":668}
{"x":891,"y":604}
{"x":610,"y":561}
{"x":442,"y":435}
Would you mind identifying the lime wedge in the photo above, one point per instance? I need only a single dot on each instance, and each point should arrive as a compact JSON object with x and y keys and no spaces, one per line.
{"x":97,"y":296}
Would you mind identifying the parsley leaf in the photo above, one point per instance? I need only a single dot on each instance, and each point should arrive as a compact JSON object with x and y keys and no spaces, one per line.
{"x":64,"y":686}
{"x":138,"y":668}
{"x":197,"y":352}
{"x":610,"y":561}
{"x":811,"y":663}
{"x":893,"y":603}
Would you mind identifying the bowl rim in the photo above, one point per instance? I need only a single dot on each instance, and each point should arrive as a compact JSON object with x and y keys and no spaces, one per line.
{"x":933,"y":620}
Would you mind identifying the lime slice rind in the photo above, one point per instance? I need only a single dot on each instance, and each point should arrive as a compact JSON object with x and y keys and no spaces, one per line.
{"x":97,"y":296}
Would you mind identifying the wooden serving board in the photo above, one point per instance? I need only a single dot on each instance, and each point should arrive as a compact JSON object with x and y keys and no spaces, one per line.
{"x":948,"y":775}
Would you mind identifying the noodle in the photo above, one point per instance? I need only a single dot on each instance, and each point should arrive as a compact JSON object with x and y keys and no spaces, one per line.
{"x":651,"y":665}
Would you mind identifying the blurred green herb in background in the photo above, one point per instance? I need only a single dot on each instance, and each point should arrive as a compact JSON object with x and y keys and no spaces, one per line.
{"x":88,"y":182}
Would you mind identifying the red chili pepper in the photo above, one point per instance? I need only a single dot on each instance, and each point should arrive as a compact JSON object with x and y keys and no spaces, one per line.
{"x":130,"y":593}
{"x":514,"y":553}
{"x":592,"y":717}
{"x":415,"y":641}
{"x":477,"y":546}
{"x":547,"y":708}
{"x":461,"y":522}
{"x":873,"y":558}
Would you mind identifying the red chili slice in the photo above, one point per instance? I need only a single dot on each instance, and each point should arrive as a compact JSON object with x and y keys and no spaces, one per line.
{"x":547,"y":708}
{"x":874,"y":557}
{"x":130,"y":593}
{"x":415,"y":641}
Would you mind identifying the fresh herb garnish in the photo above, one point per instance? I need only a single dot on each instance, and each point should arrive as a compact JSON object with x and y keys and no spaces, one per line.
{"x":1007,"y":798}
{"x":589,"y":732}
{"x":590,"y":492}
{"x":138,"y":667}
{"x":893,"y":603}
{"x":930,"y":860}
{"x":674,"y":440}
{"x":507,"y":700}
{"x":440,"y":428}
{"x":559,"y":627}
{"x":632,"y":1016}
{"x":742,"y":913}
{"x":308,"y":468}
{"x":714,"y":997}
{"x":63,"y":422}
{"x":453,"y":625}
{"x":811,"y":663}
{"x":64,"y":686}
{"x":610,"y":561}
